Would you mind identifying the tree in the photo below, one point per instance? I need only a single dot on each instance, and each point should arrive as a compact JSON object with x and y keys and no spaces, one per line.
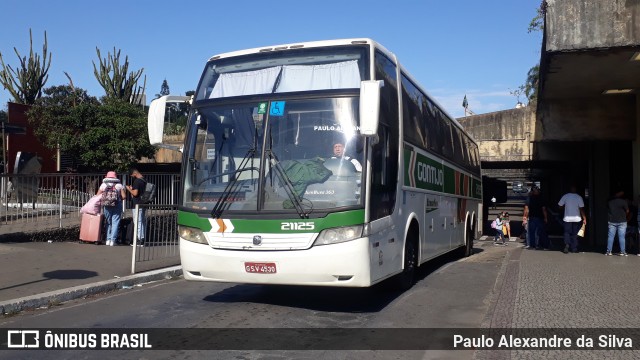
{"x":102,"y":136}
{"x":3,"y":116}
{"x":164,"y":89}
{"x":118,"y":137}
{"x":177,"y":117}
{"x":530,"y":87}
{"x":114,"y":79}
{"x":537,"y":23}
{"x":25,"y":84}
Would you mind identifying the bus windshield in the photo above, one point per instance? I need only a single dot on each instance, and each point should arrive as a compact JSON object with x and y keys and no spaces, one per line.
{"x":307,"y":69}
{"x":278,"y":155}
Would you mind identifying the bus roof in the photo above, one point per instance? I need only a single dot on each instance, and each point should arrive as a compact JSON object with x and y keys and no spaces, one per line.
{"x":338,"y":42}
{"x":300,"y":45}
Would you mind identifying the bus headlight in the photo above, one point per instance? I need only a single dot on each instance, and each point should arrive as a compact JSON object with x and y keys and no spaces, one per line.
{"x":338,"y":235}
{"x":192,"y":234}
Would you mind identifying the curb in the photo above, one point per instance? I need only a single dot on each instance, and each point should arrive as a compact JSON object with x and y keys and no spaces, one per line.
{"x":58,"y":296}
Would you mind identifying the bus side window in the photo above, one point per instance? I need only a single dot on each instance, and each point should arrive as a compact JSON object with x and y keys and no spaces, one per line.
{"x":385,"y":152}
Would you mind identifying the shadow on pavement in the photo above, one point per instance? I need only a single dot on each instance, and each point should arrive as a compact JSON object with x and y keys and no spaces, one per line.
{"x":59,"y":275}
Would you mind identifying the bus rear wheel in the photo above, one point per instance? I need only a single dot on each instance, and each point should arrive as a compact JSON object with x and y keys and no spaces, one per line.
{"x":467,"y":249}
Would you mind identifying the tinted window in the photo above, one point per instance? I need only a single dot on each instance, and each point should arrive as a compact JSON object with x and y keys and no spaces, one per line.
{"x":385,"y":152}
{"x":412,"y":102}
{"x":445,"y":134}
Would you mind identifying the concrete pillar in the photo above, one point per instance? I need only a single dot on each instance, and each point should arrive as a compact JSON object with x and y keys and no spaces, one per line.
{"x":635,"y":148}
{"x":599,"y":184}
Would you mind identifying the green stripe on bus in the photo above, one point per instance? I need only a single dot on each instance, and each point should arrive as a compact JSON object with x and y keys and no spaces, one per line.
{"x":285,"y":226}
{"x":193,"y":220}
{"x":424,"y":172}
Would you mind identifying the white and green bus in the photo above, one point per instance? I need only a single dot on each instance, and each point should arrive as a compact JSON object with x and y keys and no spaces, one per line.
{"x":268,"y":200}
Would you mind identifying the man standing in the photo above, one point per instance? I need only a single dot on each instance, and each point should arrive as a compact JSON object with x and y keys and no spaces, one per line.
{"x":618,"y":216}
{"x":137,"y":189}
{"x":535,"y":214}
{"x":574,"y":218}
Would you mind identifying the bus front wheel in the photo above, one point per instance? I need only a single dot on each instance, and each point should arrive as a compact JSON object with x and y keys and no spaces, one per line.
{"x":407,"y":277}
{"x":468,"y":249}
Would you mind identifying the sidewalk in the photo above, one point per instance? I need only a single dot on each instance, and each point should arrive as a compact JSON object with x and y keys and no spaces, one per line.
{"x":37,"y":274}
{"x":40,"y":274}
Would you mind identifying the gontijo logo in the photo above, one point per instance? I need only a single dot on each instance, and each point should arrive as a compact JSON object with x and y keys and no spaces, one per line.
{"x":429,"y":174}
{"x":423,"y":172}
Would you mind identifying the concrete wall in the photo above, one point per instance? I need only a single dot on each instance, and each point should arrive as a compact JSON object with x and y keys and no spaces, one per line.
{"x":170,"y":156}
{"x":166,"y":156}
{"x":611,"y":118}
{"x":580,"y":24}
{"x":503,"y":135}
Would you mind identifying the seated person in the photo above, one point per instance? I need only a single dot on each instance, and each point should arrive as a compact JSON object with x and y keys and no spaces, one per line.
{"x":338,"y":152}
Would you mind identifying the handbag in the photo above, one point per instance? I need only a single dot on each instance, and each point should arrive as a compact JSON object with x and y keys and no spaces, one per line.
{"x":581,"y":231}
{"x":92,"y":206}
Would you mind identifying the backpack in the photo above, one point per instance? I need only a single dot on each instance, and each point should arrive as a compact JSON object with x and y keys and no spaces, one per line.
{"x":110,"y":196}
{"x":149,"y":193}
{"x":494,"y":224}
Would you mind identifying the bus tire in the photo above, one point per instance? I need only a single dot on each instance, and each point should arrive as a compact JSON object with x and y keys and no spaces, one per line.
{"x":407,"y":277}
{"x":468,"y":247}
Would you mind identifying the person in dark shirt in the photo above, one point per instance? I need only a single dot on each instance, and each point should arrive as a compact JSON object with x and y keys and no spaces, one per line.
{"x":136,"y":189}
{"x":535,"y":215}
{"x":618,"y":216}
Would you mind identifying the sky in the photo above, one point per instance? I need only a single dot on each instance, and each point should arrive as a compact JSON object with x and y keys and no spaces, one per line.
{"x":453,"y":48}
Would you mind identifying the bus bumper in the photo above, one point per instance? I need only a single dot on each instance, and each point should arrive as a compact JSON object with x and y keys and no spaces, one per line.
{"x":345,"y":265}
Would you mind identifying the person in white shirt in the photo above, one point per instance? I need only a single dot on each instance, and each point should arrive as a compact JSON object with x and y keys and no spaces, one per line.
{"x":573,"y":219}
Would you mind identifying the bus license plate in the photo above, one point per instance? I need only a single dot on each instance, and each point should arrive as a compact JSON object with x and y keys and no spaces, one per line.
{"x":260,"y":268}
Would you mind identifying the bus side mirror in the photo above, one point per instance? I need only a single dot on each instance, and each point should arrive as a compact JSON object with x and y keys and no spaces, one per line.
{"x":369,"y":106}
{"x":155,"y":119}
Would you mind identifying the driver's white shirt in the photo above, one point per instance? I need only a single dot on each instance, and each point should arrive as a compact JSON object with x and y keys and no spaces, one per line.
{"x":355,"y":162}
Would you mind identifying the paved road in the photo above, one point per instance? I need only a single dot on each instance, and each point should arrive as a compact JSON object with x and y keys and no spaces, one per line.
{"x":433,"y":302}
{"x":498,"y":287}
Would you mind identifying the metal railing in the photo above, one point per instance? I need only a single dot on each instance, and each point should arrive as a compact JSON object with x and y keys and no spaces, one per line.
{"x":160,"y":247}
{"x":48,"y":201}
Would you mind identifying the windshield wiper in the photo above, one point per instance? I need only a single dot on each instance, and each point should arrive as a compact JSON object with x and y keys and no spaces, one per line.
{"x":288,"y":187}
{"x":232,"y":185}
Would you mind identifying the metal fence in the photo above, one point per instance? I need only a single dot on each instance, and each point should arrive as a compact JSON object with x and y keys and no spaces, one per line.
{"x":32,"y":203}
{"x":49,"y":201}
{"x":161,"y":242}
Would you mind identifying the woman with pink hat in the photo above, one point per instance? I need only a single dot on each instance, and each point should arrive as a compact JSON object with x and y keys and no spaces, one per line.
{"x":112,"y":193}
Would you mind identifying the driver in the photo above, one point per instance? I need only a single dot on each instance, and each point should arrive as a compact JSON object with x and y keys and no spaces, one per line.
{"x":338,"y":152}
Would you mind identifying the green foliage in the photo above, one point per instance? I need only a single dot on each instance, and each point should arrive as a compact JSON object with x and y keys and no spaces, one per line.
{"x":176,"y":117}
{"x":114,"y":79}
{"x":164,"y":89}
{"x":25,"y":84}
{"x":55,"y":117}
{"x":537,"y":23}
{"x":3,"y":116}
{"x":176,"y":128}
{"x":530,"y":87}
{"x":108,"y":135}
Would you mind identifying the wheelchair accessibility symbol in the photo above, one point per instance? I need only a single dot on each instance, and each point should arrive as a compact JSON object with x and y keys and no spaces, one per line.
{"x":277,"y":108}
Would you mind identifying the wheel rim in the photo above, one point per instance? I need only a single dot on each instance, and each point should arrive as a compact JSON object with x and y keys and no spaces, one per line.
{"x":410,"y":263}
